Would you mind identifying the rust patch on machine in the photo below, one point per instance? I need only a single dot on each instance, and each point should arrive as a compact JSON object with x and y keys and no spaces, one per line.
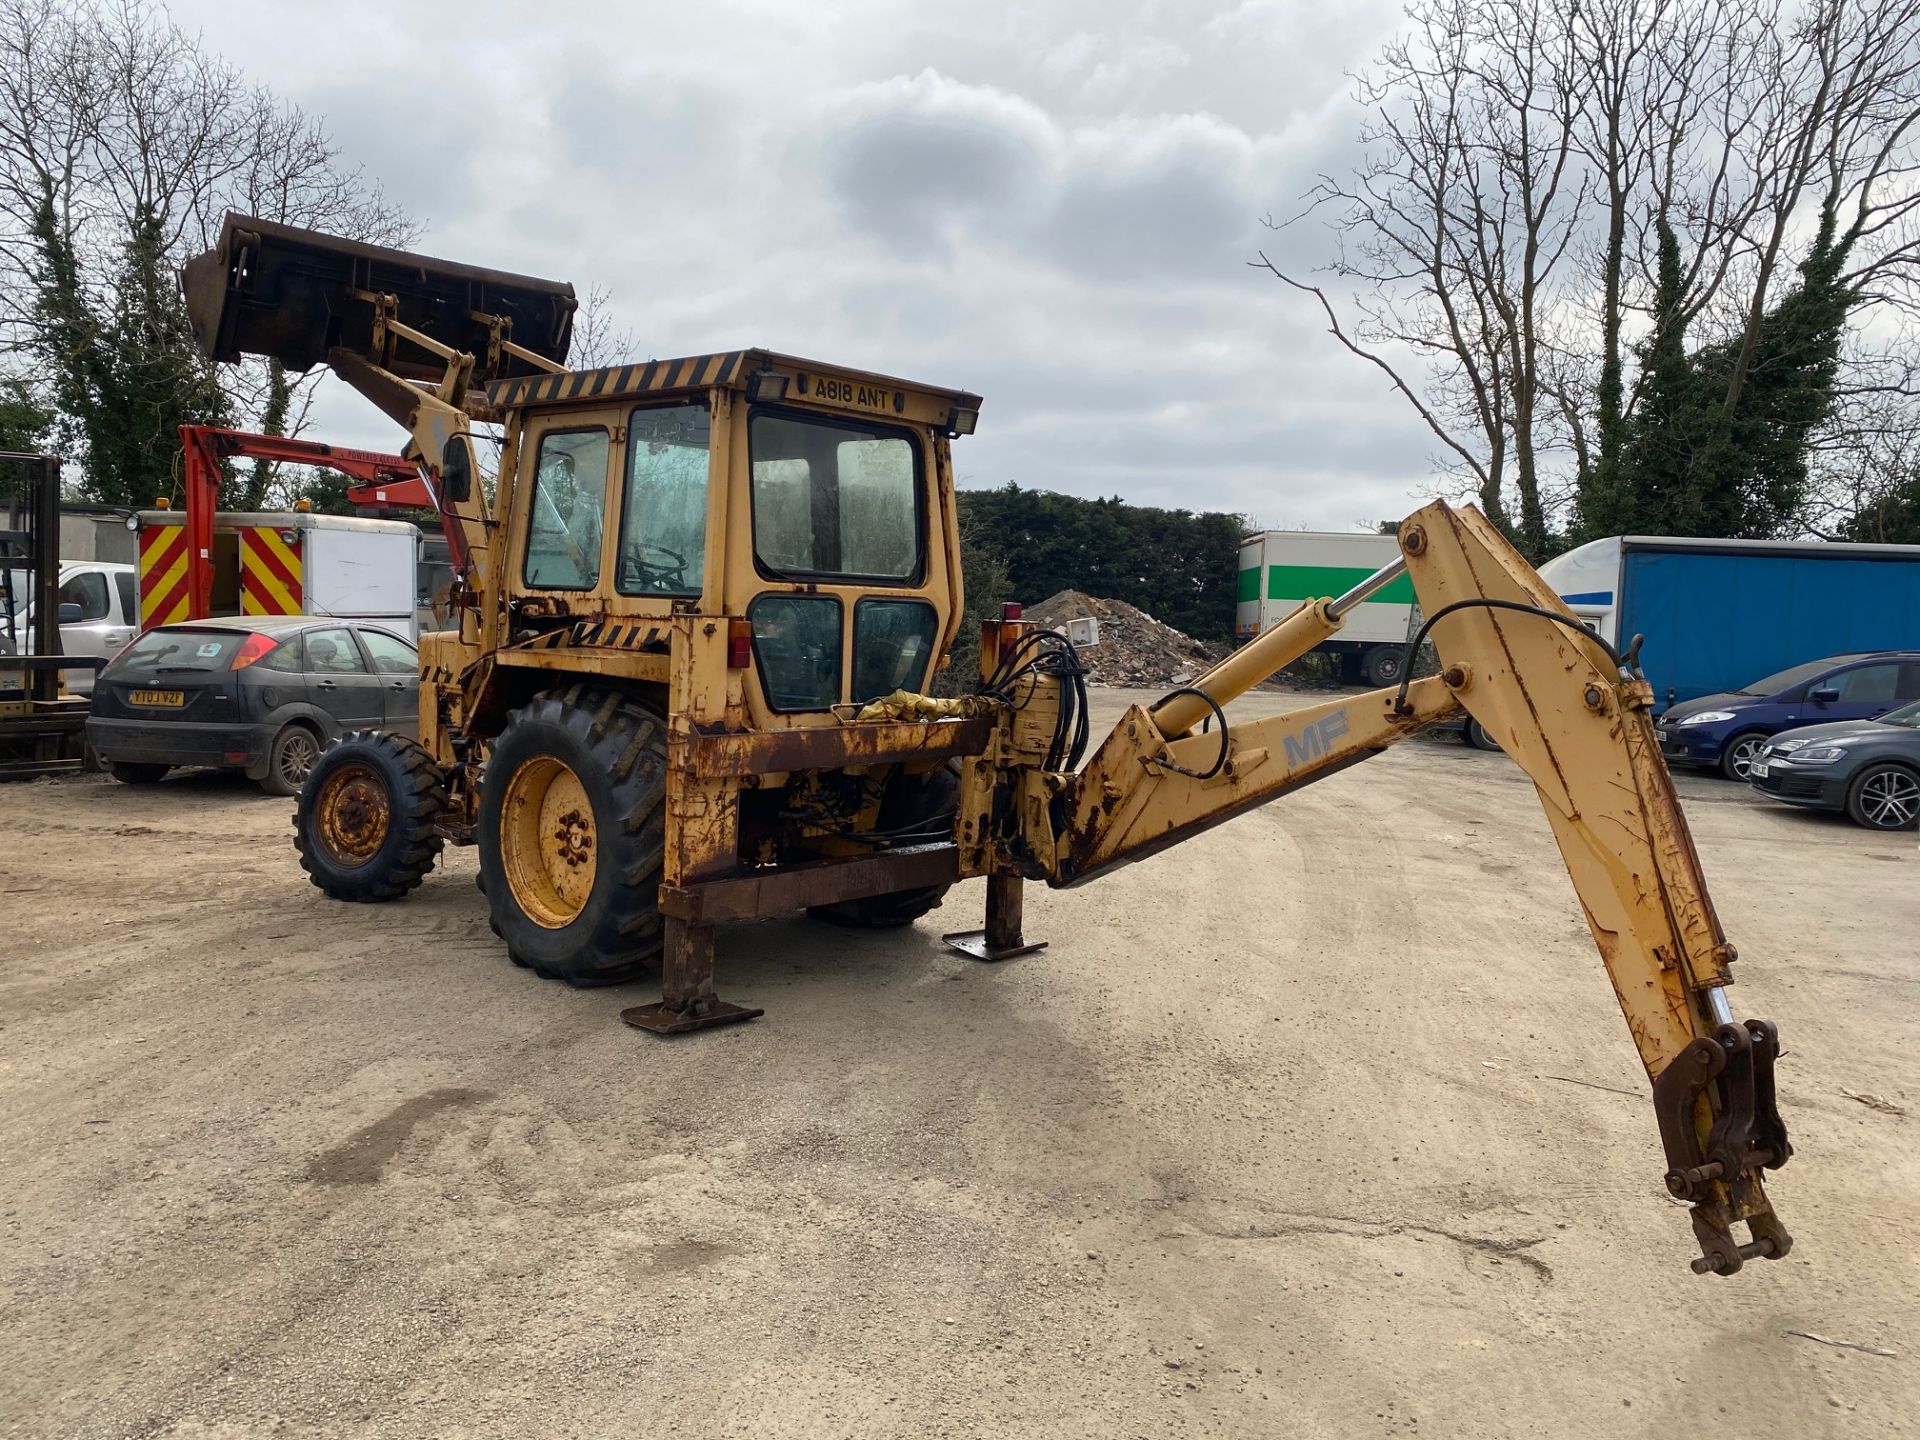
{"x":837,"y":747}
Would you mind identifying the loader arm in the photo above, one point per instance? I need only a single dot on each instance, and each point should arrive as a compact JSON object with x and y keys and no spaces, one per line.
{"x":1576,"y":721}
{"x":414,"y":334}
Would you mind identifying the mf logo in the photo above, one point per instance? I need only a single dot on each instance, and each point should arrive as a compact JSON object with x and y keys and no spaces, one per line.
{"x":1313,"y":742}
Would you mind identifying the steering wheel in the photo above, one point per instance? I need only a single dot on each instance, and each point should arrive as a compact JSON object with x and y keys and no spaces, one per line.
{"x":638,"y":572}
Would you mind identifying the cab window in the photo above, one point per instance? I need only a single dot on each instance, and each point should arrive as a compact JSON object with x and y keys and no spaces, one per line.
{"x":835,"y":497}
{"x":663,"y":526}
{"x":564,"y":512}
{"x":796,"y":642}
{"x":892,"y":643}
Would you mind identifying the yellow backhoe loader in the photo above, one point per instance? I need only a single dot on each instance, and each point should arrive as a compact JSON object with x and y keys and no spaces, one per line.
{"x":701,"y":601}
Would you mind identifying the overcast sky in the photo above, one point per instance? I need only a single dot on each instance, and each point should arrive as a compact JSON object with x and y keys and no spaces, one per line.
{"x":1050,"y":204}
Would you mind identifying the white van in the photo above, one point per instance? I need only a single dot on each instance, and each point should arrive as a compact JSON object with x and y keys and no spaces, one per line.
{"x":99,"y":613}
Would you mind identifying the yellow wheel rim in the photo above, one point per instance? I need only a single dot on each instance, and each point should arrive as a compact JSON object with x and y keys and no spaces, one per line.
{"x":547,"y":841}
{"x":353,"y":814}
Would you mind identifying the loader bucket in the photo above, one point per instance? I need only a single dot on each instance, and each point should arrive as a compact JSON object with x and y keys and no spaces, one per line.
{"x":296,"y":295}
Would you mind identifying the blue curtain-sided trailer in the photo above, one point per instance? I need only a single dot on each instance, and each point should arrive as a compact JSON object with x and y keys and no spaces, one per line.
{"x":1720,"y":614}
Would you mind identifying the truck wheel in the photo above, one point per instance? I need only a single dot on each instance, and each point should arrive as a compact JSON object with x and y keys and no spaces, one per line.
{"x":1475,"y":734}
{"x":912,"y":801}
{"x":364,"y":823}
{"x":134,"y":774}
{"x":1884,"y":797}
{"x":1383,"y":665}
{"x":573,"y":835}
{"x":290,"y":760}
{"x":1737,"y":759}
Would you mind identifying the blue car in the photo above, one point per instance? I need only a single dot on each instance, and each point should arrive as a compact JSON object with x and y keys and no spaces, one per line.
{"x":1727,"y":731}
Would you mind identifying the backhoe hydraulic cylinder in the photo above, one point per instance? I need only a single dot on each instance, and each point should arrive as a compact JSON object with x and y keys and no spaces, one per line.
{"x":1372,"y":585}
{"x":1253,"y":662}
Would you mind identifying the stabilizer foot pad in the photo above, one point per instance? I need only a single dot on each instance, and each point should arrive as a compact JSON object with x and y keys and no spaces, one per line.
{"x":662,"y":1021}
{"x":974,"y":943}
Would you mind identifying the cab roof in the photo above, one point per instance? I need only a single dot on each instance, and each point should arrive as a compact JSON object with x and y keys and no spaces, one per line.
{"x":810,"y":383}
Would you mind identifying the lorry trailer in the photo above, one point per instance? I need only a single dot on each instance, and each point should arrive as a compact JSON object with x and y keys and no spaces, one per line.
{"x":1719,"y":614}
{"x":1281,"y":570}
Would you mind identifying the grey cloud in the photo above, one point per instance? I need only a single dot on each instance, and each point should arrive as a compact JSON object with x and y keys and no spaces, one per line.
{"x":929,"y":160}
{"x":1052,"y":208}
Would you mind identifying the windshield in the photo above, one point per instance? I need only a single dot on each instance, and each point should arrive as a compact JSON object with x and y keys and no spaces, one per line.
{"x":835,"y":497}
{"x":176,"y":652}
{"x":1907,"y":715}
{"x":1787,"y":679}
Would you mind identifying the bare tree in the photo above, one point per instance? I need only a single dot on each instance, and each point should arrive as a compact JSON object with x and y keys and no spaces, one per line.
{"x":598,"y":338}
{"x":123,"y":142}
{"x":1496,"y":254}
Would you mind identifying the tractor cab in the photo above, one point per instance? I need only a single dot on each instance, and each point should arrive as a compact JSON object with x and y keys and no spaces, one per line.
{"x":810,"y":507}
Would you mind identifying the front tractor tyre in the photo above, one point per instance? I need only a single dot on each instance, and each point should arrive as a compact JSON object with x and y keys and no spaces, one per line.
{"x":573,"y":835}
{"x":365,"y":820}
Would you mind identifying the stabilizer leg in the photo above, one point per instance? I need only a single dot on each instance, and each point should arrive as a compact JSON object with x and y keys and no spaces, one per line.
{"x":1001,"y":940}
{"x":687,"y":1001}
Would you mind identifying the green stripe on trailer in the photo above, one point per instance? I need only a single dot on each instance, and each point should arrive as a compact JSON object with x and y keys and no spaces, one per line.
{"x":1311,"y":582}
{"x":1249,"y":590}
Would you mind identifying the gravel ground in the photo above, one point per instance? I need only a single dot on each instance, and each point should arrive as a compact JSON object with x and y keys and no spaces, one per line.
{"x":1324,"y":1124}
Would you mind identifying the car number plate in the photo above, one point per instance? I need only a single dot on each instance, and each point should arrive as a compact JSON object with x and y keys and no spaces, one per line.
{"x":1758,"y":771}
{"x":172,"y":699}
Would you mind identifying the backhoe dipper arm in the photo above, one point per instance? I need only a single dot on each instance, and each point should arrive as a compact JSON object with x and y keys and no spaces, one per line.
{"x":1565,"y":710}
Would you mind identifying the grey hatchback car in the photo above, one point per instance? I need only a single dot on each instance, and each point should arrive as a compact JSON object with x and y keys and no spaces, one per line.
{"x":1868,"y":768}
{"x":261,"y":694}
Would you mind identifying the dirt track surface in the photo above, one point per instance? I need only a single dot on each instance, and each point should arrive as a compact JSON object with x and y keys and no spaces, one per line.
{"x":1324,"y":1124}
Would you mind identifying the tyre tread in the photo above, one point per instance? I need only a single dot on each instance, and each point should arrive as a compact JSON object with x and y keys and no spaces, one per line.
{"x":417,"y":805}
{"x":624,"y":940}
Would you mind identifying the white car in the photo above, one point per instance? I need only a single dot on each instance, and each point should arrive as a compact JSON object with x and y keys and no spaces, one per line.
{"x":99,"y":613}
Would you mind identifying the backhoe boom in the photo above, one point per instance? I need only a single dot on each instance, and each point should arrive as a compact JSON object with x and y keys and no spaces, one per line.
{"x":1566,"y":709}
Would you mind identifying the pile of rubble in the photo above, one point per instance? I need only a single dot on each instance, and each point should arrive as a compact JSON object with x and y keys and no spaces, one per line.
{"x":1134,"y":648}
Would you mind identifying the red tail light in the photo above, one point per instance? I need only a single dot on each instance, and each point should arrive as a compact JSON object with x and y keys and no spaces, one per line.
{"x":256,"y":646}
{"x":739,"y":645}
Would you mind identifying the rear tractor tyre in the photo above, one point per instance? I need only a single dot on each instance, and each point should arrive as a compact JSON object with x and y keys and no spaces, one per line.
{"x":914,"y":801}
{"x":135,"y":774}
{"x":573,"y":835}
{"x":364,"y":823}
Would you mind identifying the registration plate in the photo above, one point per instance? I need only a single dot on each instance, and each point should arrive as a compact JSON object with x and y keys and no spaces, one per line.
{"x":172,"y":699}
{"x":1758,"y":771}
